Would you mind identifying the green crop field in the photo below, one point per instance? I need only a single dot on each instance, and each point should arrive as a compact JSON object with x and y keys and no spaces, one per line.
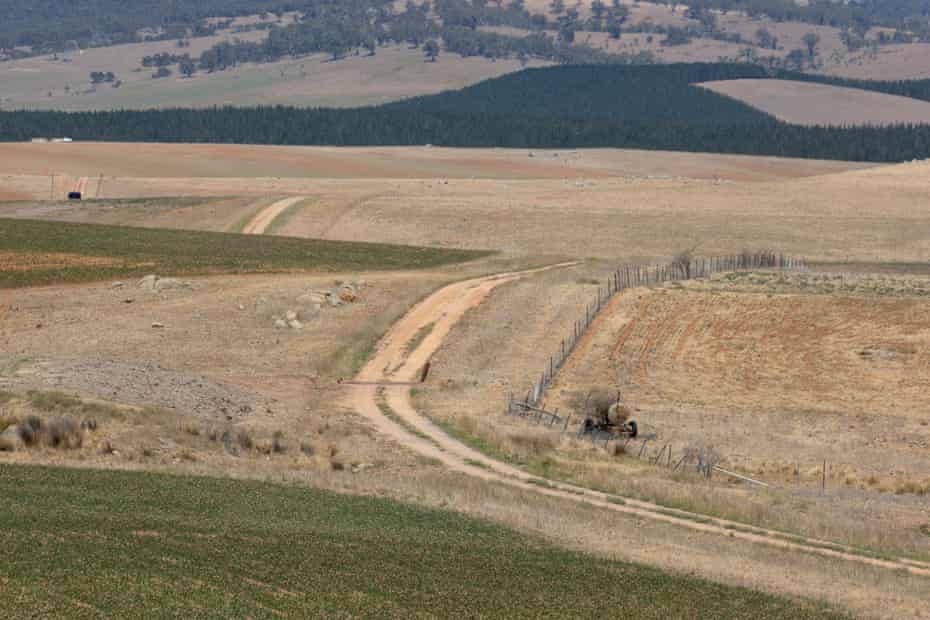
{"x":83,"y":543}
{"x":36,"y":252}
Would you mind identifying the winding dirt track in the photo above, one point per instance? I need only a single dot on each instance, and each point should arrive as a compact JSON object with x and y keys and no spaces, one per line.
{"x":258,"y":224}
{"x":393,"y":362}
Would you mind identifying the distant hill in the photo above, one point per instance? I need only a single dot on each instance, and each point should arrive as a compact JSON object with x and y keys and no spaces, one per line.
{"x":656,"y":107}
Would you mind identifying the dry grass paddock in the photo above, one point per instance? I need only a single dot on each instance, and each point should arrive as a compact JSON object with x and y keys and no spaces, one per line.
{"x":805,"y":103}
{"x":602,"y":207}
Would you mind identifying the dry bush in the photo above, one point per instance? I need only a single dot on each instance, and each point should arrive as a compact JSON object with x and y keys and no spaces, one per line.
{"x":189,"y":428}
{"x":29,"y":430}
{"x":187,"y":455}
{"x":244,"y":439}
{"x":228,"y":445}
{"x":337,"y":465}
{"x":277,"y":443}
{"x":912,"y":487}
{"x":307,"y":448}
{"x":682,"y":262}
{"x":596,"y":402}
{"x":63,"y":433}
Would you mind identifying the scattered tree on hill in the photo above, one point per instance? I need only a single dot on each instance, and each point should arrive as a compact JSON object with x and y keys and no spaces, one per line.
{"x":557,"y":7}
{"x":559,"y":107}
{"x":811,"y":40}
{"x":431,"y":49}
{"x":187,"y":67}
{"x":795,"y":59}
{"x":766,"y":39}
{"x":613,"y":28}
{"x":162,"y":72}
{"x":676,"y":36}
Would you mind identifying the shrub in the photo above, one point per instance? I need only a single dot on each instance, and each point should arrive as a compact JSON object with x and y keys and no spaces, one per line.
{"x":307,"y":448}
{"x":244,"y":439}
{"x":277,"y":443}
{"x":63,"y":433}
{"x":29,"y":430}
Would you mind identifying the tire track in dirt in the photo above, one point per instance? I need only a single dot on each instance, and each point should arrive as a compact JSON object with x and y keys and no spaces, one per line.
{"x":392,"y":362}
{"x":260,"y":222}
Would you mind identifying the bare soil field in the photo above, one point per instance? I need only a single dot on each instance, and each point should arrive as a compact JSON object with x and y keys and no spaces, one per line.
{"x":804,"y":103}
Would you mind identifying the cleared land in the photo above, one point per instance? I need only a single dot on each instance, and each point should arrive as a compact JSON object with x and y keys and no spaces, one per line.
{"x":805,"y":103}
{"x":395,"y":72}
{"x":231,"y":164}
{"x":181,"y":388}
{"x":247,"y":549}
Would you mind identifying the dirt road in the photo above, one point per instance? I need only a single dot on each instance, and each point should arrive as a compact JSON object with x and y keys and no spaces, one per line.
{"x":395,"y":362}
{"x":258,"y":224}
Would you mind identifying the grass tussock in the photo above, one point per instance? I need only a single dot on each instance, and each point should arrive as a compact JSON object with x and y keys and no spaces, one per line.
{"x":66,"y":404}
{"x":529,"y":443}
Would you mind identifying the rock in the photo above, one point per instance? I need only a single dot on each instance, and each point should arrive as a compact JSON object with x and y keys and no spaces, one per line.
{"x":291,"y":315}
{"x":348,"y":296}
{"x":280,"y":324}
{"x":335,"y":302}
{"x":158,"y":325}
{"x":348,"y":287}
{"x":148,"y":282}
{"x":309,"y":313}
{"x":241,"y":307}
{"x":295,"y":324}
{"x":117,"y":285}
{"x":10,"y":439}
{"x":310,"y":299}
{"x":163,"y":284}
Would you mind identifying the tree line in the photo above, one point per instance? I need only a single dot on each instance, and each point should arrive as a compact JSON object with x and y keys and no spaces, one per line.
{"x":373,"y":127}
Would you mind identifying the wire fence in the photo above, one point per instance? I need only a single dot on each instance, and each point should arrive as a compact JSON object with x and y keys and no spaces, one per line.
{"x":633,"y":276}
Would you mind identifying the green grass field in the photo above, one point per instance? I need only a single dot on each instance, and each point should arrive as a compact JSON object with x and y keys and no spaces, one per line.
{"x":83,"y":543}
{"x":34,"y":252}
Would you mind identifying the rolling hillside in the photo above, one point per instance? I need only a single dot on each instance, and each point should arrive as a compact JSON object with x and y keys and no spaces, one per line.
{"x":656,"y":107}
